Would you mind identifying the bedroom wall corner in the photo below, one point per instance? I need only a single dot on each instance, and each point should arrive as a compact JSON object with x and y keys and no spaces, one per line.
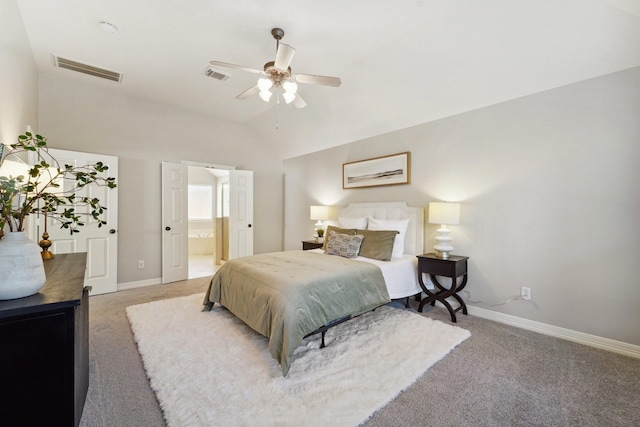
{"x":18,"y":76}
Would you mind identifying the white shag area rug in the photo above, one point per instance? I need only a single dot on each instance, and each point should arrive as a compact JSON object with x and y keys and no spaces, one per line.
{"x":209,"y":368}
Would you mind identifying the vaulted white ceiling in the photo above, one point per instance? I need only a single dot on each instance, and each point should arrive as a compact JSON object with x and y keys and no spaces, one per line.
{"x":402,"y":62}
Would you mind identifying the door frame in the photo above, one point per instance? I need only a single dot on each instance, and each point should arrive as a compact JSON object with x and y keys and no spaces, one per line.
{"x":185,"y":201}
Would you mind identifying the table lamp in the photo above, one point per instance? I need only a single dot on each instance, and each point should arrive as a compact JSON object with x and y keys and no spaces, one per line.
{"x":444,"y":213}
{"x":319,"y":213}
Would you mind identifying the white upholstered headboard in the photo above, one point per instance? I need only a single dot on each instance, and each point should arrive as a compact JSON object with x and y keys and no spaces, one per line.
{"x":414,"y":239}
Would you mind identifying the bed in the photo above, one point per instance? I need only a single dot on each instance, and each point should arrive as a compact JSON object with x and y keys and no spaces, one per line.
{"x":400,"y":274}
{"x":289,"y":295}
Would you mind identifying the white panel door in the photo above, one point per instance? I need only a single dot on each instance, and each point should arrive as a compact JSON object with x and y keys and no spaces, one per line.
{"x":100,"y":243}
{"x":175,"y":256}
{"x":240,"y":213}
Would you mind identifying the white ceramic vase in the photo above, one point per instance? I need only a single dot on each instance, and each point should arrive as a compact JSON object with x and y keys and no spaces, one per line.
{"x":21,"y":266}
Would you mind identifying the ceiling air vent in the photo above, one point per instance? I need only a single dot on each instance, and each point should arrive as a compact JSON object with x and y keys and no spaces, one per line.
{"x":210,"y":72}
{"x":87,"y":69}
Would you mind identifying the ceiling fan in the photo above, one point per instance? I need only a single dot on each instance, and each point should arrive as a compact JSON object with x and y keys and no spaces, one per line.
{"x":277,"y":76}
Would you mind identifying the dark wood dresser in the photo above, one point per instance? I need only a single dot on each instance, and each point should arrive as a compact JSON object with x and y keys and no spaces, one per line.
{"x":44,"y":349}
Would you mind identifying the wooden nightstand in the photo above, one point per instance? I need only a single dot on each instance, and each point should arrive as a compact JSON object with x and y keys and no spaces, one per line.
{"x":452,"y":267}
{"x":311,"y":244}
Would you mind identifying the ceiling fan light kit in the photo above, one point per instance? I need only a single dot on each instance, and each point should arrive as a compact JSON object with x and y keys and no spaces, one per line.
{"x":277,"y":76}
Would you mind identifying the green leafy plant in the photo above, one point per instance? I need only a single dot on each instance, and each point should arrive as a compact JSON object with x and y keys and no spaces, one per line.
{"x":48,"y":188}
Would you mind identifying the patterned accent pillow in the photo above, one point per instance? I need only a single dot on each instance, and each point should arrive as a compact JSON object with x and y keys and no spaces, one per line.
{"x":344,"y":245}
{"x":338,"y":230}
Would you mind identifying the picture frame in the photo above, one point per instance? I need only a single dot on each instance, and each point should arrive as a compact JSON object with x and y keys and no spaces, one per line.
{"x":393,"y":169}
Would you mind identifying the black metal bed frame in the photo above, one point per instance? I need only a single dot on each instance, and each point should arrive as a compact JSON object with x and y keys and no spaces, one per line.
{"x":324,"y":328}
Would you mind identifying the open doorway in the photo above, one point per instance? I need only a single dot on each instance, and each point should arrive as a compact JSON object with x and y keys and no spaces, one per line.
{"x":208,"y":214}
{"x":175,"y":212}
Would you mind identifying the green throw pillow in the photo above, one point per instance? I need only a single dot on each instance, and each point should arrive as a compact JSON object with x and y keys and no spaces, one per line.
{"x":377,"y":244}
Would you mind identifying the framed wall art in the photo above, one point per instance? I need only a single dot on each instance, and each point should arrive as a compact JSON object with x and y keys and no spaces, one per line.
{"x":386,"y":170}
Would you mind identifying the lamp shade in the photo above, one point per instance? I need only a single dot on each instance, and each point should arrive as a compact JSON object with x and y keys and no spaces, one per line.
{"x":444,"y":213}
{"x":290,"y":87}
{"x":264,"y":84}
{"x":265,"y":95}
{"x":288,"y":97}
{"x":319,"y":213}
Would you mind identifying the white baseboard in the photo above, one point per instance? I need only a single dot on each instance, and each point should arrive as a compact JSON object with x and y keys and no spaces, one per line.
{"x":555,"y":331}
{"x":139,"y":284}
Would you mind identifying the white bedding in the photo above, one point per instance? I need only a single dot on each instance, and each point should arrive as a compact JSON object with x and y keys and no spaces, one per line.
{"x":400,"y":274}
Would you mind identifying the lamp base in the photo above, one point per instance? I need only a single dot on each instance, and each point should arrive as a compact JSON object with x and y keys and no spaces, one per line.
{"x":443,"y":248}
{"x":443,"y":255}
{"x":45,"y":244}
{"x":46,"y":254}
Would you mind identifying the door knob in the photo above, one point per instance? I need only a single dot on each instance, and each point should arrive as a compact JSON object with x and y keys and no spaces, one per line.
{"x":249,"y":225}
{"x":167,"y":228}
{"x":112,"y":231}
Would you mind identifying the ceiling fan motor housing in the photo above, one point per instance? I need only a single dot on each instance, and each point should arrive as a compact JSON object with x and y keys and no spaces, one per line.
{"x":277,"y":76}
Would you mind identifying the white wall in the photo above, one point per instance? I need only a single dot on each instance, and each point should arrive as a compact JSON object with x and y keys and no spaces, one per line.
{"x":548,"y":186}
{"x":143,"y":134}
{"x":18,"y":76}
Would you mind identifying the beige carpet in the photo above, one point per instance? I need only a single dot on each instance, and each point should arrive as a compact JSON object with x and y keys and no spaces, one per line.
{"x":208,"y":368}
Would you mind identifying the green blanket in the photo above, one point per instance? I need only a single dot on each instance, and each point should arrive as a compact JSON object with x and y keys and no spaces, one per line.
{"x":287,"y":295}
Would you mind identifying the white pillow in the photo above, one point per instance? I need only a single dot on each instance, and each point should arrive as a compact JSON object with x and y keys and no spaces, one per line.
{"x":357,"y":223}
{"x":400,"y":225}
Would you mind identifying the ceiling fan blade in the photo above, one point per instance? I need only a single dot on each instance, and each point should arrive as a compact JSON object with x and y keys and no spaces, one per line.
{"x":310,"y":79}
{"x":298,"y":102}
{"x":284,"y":55}
{"x":218,"y":64}
{"x":249,"y":92}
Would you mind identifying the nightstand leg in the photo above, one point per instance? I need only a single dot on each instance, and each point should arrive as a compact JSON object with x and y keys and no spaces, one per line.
{"x":452,"y":312}
{"x":458,"y":288}
{"x":445,"y":293}
{"x":463,"y":306}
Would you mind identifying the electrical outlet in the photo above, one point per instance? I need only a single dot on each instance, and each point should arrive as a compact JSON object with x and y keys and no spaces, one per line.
{"x":525,"y":293}
{"x":141,"y":264}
